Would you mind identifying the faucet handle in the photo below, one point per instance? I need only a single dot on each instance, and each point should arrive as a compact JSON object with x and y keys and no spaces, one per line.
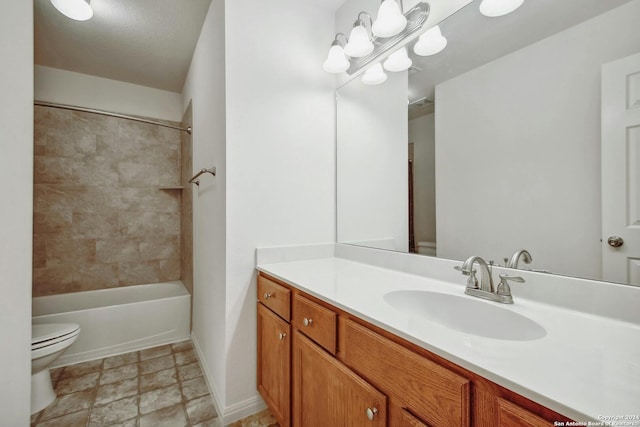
{"x":505,"y":277}
{"x":463,"y":271}
{"x":503,"y":287}
{"x":472,"y":280}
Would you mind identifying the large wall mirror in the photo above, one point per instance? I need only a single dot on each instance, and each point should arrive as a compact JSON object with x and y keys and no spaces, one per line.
{"x":523,"y":133}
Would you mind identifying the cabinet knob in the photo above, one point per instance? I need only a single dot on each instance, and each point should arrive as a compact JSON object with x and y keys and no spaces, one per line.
{"x":371,"y":412}
{"x":307,"y":321}
{"x":282,"y":336}
{"x":267,"y":295}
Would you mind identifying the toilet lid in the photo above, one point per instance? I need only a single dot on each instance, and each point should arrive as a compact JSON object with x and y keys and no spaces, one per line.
{"x":43,"y":334}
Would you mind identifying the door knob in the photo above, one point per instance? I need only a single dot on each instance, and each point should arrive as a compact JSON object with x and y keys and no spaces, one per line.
{"x":615,"y":241}
{"x":282,"y":336}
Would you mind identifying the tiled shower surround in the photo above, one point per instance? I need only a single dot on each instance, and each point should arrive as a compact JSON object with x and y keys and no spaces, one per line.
{"x":100,"y":217}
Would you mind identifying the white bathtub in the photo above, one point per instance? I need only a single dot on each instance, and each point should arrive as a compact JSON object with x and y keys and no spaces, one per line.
{"x":118,"y":320}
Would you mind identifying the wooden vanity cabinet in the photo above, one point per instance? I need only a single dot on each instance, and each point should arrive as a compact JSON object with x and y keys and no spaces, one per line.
{"x":274,"y":348}
{"x":334,"y":369}
{"x":327,"y":393}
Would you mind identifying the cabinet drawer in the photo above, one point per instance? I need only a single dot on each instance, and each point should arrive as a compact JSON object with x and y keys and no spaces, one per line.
{"x":433,"y":393}
{"x":510,"y":414}
{"x":316,"y":322}
{"x":275,"y":296}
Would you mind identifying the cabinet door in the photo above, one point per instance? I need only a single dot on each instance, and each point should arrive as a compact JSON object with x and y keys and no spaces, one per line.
{"x":327,"y":393}
{"x":409,"y":420}
{"x":274,"y":364}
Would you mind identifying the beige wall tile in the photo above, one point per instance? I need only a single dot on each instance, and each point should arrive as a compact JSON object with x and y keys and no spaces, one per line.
{"x":48,"y":170}
{"x":99,"y":218}
{"x":69,"y":251}
{"x":94,"y":276}
{"x":138,"y":273}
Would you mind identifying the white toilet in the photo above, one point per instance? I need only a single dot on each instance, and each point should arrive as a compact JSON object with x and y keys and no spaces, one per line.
{"x":48,"y":342}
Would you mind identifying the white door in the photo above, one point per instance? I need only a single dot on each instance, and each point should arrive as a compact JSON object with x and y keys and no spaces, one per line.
{"x":621,"y":170}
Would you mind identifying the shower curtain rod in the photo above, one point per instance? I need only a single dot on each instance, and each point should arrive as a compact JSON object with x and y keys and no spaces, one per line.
{"x":109,"y":113}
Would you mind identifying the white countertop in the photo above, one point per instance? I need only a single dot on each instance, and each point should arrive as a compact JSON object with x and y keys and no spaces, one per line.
{"x":586,"y":367}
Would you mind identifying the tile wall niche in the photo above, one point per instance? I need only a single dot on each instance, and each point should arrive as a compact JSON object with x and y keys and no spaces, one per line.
{"x":100,"y":217}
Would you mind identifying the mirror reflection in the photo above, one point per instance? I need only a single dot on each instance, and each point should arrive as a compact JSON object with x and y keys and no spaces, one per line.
{"x":520,"y":135}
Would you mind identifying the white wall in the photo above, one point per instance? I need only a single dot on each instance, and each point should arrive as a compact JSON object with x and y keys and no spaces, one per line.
{"x":518,"y":149}
{"x":16,"y":210}
{"x":280,"y":156}
{"x":263,"y":112}
{"x":372,"y":161}
{"x":67,"y":87}
{"x":205,"y":87}
{"x":422,"y":135}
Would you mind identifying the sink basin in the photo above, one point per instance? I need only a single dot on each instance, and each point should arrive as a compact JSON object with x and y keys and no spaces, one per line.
{"x":466,"y":314}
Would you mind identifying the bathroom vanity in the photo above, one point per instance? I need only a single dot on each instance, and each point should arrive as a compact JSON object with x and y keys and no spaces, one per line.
{"x":336,"y":348}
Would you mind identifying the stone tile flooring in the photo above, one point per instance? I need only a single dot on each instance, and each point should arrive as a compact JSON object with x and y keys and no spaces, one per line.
{"x":157,"y":387}
{"x":261,"y":419}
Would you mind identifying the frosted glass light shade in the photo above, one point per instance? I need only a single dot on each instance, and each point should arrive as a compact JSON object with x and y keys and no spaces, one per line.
{"x":78,"y":10}
{"x":398,"y":61}
{"x":494,"y":8}
{"x":430,"y":43}
{"x":390,"y":20}
{"x":336,"y":61}
{"x":374,"y":75}
{"x":359,"y":44}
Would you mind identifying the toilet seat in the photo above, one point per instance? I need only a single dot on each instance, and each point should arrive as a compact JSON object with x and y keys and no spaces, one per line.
{"x":48,"y":334}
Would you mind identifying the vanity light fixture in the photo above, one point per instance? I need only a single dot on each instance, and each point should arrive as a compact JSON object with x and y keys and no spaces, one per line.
{"x":359,"y":43}
{"x":362,"y":49}
{"x":390,"y":20}
{"x":431,"y":42}
{"x":78,"y":10}
{"x":495,"y":8}
{"x":374,"y":75}
{"x":398,"y":61}
{"x":336,"y":61}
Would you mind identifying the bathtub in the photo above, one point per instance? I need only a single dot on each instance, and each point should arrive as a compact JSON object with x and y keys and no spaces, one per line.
{"x":118,"y":320}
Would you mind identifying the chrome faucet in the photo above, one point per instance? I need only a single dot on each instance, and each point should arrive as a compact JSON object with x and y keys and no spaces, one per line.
{"x":521,"y":254}
{"x":484,"y":288}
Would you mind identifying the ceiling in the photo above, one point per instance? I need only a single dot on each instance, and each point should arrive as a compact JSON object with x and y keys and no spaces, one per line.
{"x":474,"y":39}
{"x":145,"y":42}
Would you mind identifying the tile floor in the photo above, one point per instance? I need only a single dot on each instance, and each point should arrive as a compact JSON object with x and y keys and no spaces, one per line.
{"x":261,"y":419}
{"x":160,"y":386}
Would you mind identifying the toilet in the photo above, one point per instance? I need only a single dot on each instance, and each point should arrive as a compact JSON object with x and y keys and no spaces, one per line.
{"x":48,"y":342}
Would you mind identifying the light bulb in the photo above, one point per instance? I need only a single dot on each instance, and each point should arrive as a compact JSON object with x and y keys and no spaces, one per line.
{"x":374,"y":75}
{"x":430,"y":43}
{"x":390,"y":20}
{"x":398,"y":61}
{"x":79,"y":10}
{"x":359,"y":44}
{"x":494,"y":8}
{"x":336,"y":61}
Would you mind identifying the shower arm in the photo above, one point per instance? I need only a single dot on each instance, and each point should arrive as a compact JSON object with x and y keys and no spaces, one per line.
{"x":196,"y":181}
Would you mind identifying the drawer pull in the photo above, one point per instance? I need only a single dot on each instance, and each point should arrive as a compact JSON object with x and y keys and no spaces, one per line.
{"x":307,"y":321}
{"x":268,"y":295}
{"x":371,"y":412}
{"x":282,"y":336}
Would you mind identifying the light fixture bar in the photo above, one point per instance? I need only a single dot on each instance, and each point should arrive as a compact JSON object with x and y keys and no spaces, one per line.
{"x":416,"y":17}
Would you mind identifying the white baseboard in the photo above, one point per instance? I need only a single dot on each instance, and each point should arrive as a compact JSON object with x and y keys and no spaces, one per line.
{"x":243,"y":409}
{"x":231,"y":413}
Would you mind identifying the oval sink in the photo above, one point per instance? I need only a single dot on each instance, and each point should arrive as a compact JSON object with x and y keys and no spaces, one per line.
{"x":466,"y":314}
